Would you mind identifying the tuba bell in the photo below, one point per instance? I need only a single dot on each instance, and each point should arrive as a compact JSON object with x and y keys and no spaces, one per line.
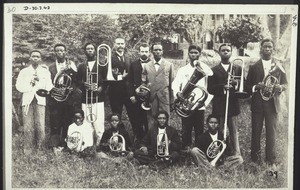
{"x":270,"y":81}
{"x":115,"y":144}
{"x":163,"y":145}
{"x":192,"y":97}
{"x":144,"y":93}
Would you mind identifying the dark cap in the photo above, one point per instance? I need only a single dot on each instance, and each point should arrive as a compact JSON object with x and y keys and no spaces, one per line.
{"x":195,"y":47}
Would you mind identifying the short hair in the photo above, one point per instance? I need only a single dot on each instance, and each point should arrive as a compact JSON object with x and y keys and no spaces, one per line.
{"x":162,"y":112}
{"x":226,"y":44}
{"x":35,"y":50}
{"x":195,"y":47}
{"x":79,"y":111}
{"x":144,"y":45}
{"x":267,"y":40}
{"x":156,"y":43}
{"x":57,"y":45}
{"x":212,"y":116}
{"x":114,"y":114}
{"x":119,"y":38}
{"x":89,"y":43}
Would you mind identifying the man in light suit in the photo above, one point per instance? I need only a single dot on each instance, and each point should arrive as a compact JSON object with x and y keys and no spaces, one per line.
{"x":265,"y":109}
{"x":158,"y":74}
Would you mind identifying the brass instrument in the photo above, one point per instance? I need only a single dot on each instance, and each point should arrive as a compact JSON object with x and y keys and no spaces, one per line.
{"x":104,"y":58}
{"x":192,"y":97}
{"x":269,"y":82}
{"x":215,"y":151}
{"x":163,"y":146}
{"x":143,"y":93}
{"x":240,"y":93}
{"x":75,"y":141}
{"x":115,"y":145}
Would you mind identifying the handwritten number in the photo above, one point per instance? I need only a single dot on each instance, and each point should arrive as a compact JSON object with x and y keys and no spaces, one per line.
{"x":294,"y":20}
{"x":11,"y":9}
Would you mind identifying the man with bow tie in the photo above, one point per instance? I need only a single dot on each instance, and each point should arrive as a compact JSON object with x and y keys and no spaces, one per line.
{"x":159,"y":74}
{"x":217,"y":85}
{"x":61,"y":112}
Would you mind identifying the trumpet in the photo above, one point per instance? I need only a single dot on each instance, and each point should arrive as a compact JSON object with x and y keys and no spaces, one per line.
{"x":240,"y":93}
{"x":115,"y":145}
{"x":192,"y":97}
{"x":270,"y":81}
{"x":215,"y":151}
{"x":163,"y":146}
{"x":104,"y":59}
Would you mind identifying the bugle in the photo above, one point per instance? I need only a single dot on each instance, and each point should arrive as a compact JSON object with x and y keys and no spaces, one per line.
{"x":116,"y":145}
{"x":163,"y":146}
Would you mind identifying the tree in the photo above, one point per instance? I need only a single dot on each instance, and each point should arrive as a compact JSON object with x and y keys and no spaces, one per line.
{"x":239,"y":32}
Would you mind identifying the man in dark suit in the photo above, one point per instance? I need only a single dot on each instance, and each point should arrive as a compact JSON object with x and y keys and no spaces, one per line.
{"x":118,"y":91}
{"x":148,"y":152}
{"x":217,"y":85}
{"x":61,"y":110}
{"x":91,"y":83}
{"x":265,"y":110}
{"x":140,"y":124}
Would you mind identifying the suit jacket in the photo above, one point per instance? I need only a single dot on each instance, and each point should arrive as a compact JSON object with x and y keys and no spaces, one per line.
{"x":119,"y":87}
{"x":160,"y":81}
{"x":216,"y":84}
{"x":75,"y":95}
{"x":150,"y":140}
{"x":256,"y":75}
{"x":81,"y":77}
{"x":134,"y":76}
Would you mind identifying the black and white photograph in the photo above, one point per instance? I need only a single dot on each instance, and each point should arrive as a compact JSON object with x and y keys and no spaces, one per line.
{"x":133,"y":96}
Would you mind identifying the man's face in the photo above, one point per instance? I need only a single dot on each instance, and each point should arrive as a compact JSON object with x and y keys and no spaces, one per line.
{"x":267,"y":48}
{"x":120,"y":44}
{"x":194,"y":54}
{"x":225,"y":52}
{"x":213,"y":125}
{"x":60,"y":52}
{"x":157,"y":51}
{"x":144,"y":53}
{"x":35,"y":58}
{"x":78,"y":119}
{"x":90,"y":50}
{"x":162,"y":120}
{"x":114,"y":121}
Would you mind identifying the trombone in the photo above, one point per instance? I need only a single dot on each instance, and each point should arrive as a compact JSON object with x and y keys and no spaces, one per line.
{"x":240,"y":93}
{"x":92,"y":82}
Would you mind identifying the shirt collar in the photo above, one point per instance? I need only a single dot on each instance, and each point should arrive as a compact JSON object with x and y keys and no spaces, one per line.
{"x":120,"y":54}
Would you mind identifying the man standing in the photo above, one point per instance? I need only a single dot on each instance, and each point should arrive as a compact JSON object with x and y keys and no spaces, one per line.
{"x":63,"y":74}
{"x":217,"y":85}
{"x":196,"y":119}
{"x":31,"y":79}
{"x":265,"y":108}
{"x":140,"y":124}
{"x":90,"y":79}
{"x":158,"y":74}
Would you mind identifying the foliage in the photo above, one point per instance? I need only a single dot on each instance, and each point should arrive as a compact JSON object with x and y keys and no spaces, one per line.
{"x":240,"y":31}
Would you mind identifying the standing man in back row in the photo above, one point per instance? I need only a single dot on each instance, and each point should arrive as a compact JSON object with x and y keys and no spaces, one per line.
{"x":158,"y":74}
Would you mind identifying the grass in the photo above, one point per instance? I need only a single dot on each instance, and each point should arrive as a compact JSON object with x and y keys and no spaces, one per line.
{"x":43,"y":169}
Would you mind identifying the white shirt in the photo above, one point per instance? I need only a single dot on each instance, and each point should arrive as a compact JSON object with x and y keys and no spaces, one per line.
{"x":161,"y":131}
{"x":156,"y":65}
{"x":91,"y":64}
{"x":24,"y":85}
{"x":225,"y":66}
{"x":266,"y":65}
{"x":214,"y":137}
{"x":182,"y":77}
{"x":86,"y":130}
{"x":60,"y":66}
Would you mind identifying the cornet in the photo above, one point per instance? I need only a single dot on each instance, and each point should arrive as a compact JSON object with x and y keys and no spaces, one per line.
{"x":115,"y":145}
{"x":163,"y":145}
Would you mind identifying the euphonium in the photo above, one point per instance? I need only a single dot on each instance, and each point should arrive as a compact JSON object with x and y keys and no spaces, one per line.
{"x":144,"y":93}
{"x":163,"y":145}
{"x":115,"y":145}
{"x":269,"y":81}
{"x":215,"y":151}
{"x":192,"y":97}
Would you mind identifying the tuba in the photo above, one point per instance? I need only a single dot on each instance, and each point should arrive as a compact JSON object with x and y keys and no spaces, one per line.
{"x":269,"y":81}
{"x":215,"y":151}
{"x":163,"y":146}
{"x":192,"y":97}
{"x":143,"y":93}
{"x":115,"y":144}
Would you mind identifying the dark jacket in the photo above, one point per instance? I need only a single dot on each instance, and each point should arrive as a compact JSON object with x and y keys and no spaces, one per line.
{"x":256,"y":75}
{"x":109,"y":133}
{"x":82,"y":77}
{"x":216,"y":84}
{"x":150,"y":140}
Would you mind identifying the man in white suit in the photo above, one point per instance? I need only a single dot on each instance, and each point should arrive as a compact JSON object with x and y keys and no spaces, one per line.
{"x":158,"y":74}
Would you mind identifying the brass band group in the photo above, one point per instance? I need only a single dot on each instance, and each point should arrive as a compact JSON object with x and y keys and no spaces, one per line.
{"x":75,"y":95}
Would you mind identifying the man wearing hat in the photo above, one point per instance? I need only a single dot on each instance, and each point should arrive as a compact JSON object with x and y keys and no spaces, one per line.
{"x":196,"y":119}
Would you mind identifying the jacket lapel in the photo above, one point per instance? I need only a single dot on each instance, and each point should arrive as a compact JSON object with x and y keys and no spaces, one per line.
{"x":161,"y":67}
